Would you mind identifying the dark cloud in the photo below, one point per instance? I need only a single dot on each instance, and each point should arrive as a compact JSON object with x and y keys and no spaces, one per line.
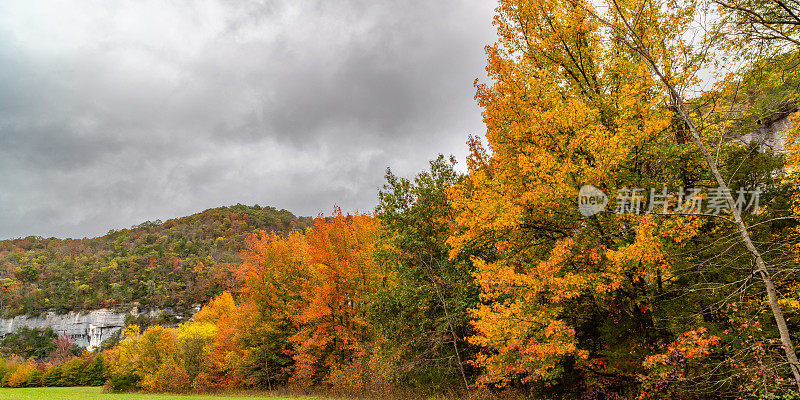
{"x":115,"y":112}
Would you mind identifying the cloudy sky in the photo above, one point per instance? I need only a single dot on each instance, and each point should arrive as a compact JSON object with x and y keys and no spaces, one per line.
{"x":116,"y":112}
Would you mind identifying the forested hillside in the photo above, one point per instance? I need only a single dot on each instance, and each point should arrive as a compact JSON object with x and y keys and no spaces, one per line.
{"x":172,"y":264}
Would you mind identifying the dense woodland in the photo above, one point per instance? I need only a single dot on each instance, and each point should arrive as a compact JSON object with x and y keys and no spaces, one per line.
{"x":491,"y":282}
{"x":174,"y":264}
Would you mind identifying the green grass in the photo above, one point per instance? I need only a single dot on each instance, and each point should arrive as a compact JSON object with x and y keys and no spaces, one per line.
{"x":95,"y":393}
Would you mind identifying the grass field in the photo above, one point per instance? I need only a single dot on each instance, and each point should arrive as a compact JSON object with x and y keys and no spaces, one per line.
{"x":95,"y":393}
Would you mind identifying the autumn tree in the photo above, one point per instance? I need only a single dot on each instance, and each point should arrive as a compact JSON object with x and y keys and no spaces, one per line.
{"x":657,"y":54}
{"x":581,"y":302}
{"x":211,"y":348}
{"x":333,"y":326}
{"x":565,"y":109}
{"x":759,"y":27}
{"x":276,"y":281}
{"x":148,"y":360}
{"x":303,"y":302}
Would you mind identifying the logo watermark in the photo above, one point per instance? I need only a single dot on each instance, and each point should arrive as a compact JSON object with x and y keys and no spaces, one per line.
{"x":591,"y":200}
{"x":636,"y":201}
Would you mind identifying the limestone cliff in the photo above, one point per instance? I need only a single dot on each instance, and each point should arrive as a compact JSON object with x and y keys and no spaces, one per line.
{"x":87,"y":329}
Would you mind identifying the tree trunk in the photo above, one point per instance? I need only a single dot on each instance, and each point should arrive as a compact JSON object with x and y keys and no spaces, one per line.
{"x":631,"y":39}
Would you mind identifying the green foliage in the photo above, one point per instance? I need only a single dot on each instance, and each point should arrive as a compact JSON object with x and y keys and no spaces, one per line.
{"x":423,"y":310}
{"x":119,"y":383}
{"x":35,"y":379}
{"x":27,"y":343}
{"x":764,"y":94}
{"x":176,"y":263}
{"x":72,"y":373}
{"x":52,"y":376}
{"x":95,"y":372}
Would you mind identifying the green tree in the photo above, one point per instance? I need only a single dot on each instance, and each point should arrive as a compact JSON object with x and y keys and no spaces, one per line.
{"x":30,"y":342}
{"x":52,"y":376}
{"x":95,"y":372}
{"x":423,"y":308}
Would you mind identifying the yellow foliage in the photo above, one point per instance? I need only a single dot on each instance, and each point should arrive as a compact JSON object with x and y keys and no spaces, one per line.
{"x":567,"y":106}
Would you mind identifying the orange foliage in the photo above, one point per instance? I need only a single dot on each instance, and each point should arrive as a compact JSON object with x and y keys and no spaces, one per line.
{"x":565,"y":108}
{"x":304,"y":294}
{"x":220,"y":368}
{"x":301,"y":313}
{"x":275,"y":274}
{"x":333,"y":325}
{"x":675,"y":362}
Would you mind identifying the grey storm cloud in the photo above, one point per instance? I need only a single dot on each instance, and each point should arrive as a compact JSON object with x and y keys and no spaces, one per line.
{"x":116,"y":112}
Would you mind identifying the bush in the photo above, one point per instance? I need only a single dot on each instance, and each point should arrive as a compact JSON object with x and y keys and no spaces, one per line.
{"x":51,"y":376}
{"x":21,"y":376}
{"x":35,"y":378}
{"x":9,"y":367}
{"x":152,"y":360}
{"x":119,"y":383}
{"x":72,"y":372}
{"x":95,"y":372}
{"x":170,"y":377}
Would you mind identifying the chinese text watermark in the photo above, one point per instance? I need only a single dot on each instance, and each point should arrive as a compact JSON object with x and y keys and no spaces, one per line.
{"x":711,"y":201}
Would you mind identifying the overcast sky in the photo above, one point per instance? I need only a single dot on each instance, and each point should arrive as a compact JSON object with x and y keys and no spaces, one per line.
{"x":117,"y":112}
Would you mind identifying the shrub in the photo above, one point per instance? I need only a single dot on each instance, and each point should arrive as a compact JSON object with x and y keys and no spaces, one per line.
{"x":51,"y":376}
{"x":150,"y":360}
{"x":170,"y":377}
{"x":72,"y":372}
{"x":21,"y":375}
{"x":119,"y":383}
{"x":9,"y":367}
{"x":35,"y":378}
{"x":95,"y":372}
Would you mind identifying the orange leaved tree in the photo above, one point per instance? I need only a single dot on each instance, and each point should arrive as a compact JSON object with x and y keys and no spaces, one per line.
{"x":333,"y":326}
{"x":276,"y":279}
{"x":566,"y":298}
{"x":304,"y":300}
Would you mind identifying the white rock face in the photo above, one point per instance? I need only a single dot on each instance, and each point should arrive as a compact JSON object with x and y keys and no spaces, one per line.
{"x":87,"y":329}
{"x":771,"y":134}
